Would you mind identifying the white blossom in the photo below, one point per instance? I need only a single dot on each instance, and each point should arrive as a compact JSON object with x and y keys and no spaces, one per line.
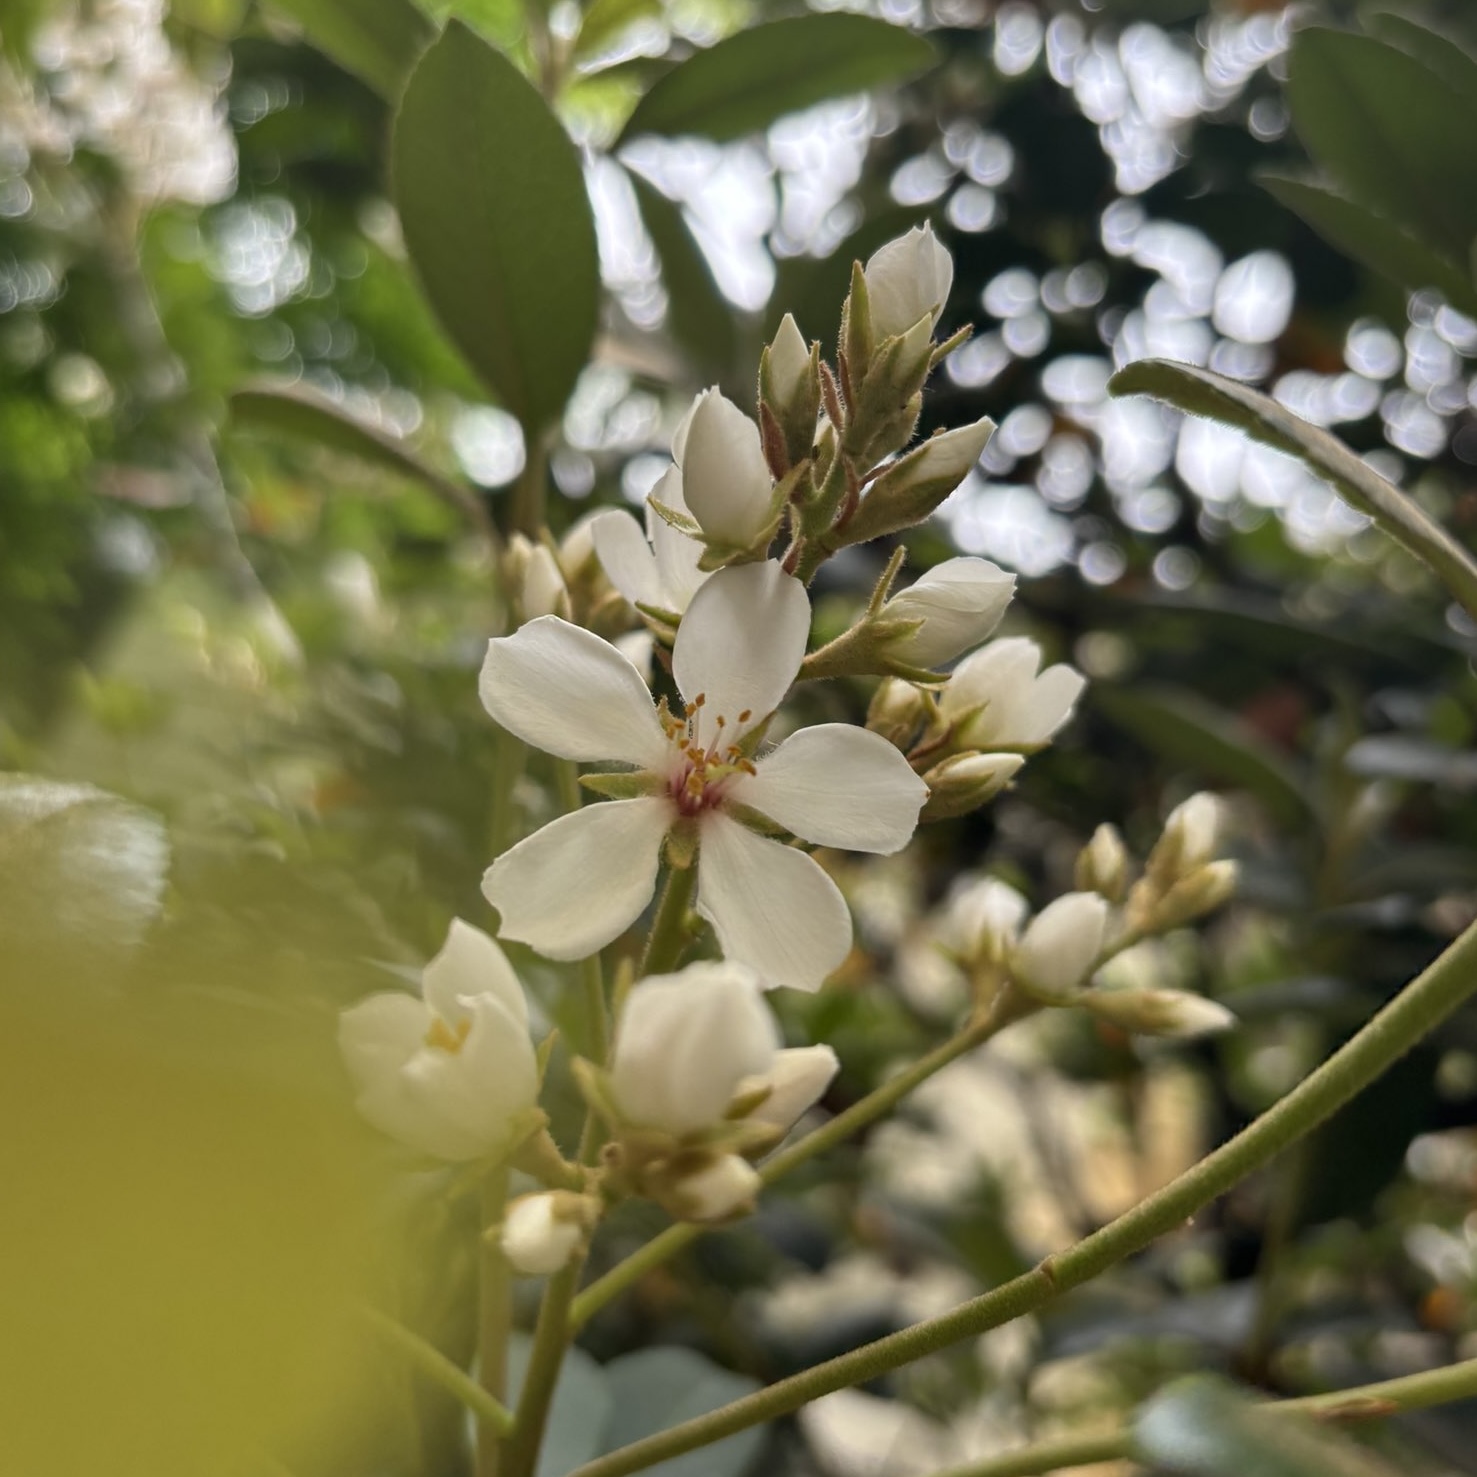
{"x":446,"y":1072}
{"x":1061,"y":945}
{"x":985,"y":918}
{"x":908,"y":279}
{"x":572,"y":887}
{"x":536,"y":1239}
{"x":658,"y":568}
{"x":794,"y":1083}
{"x":789,"y":361}
{"x":725,"y":477}
{"x":999,"y":699}
{"x":960,"y":602}
{"x":1192,"y":832}
{"x":727,"y":1187}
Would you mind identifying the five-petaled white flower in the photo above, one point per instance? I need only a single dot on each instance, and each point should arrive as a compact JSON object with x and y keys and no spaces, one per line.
{"x":446,"y":1072}
{"x":573,"y":886}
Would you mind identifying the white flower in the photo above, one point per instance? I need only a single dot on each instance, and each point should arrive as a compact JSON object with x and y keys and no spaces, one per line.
{"x":446,"y":1073}
{"x":997,"y":700}
{"x":959,"y":602}
{"x":657,"y":568}
{"x":726,"y":1188}
{"x":536,"y":1239}
{"x":795,"y":1082}
{"x":908,"y":279}
{"x":725,"y":478}
{"x":572,"y":887}
{"x":1061,"y":945}
{"x":789,"y":362}
{"x":985,"y":918}
{"x":684,"y":1044}
{"x":1191,"y":833}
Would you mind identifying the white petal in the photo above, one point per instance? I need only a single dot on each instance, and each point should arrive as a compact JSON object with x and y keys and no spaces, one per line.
{"x":906,"y":279}
{"x":789,"y":361}
{"x":379,"y":1035}
{"x":773,"y":907}
{"x":960,"y":603}
{"x":535,"y":1240}
{"x":837,"y":785}
{"x":726,"y":1186}
{"x":993,"y":674}
{"x":626,"y":557}
{"x":799,"y":1077}
{"x":986,"y":913}
{"x":564,"y":690}
{"x":470,"y":963}
{"x":1061,"y":944}
{"x":572,"y":887}
{"x":724,"y":475}
{"x":677,"y":555}
{"x":679,"y":436}
{"x":740,"y":644}
{"x":1049,"y":703}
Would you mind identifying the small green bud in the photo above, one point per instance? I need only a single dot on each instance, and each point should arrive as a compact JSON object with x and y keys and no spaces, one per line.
{"x":897,"y":711}
{"x":1152,"y":1012}
{"x":1102,"y":865}
{"x":964,"y":782}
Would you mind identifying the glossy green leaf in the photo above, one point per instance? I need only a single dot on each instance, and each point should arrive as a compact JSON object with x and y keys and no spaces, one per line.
{"x":1203,"y":1427}
{"x":1201,"y":392}
{"x":1211,"y":741}
{"x":745,"y":82}
{"x":1380,"y":243}
{"x":606,"y":20}
{"x":377,"y":40}
{"x":1456,"y":66}
{"x":297,"y":409}
{"x":657,"y":1388}
{"x":700,"y":317}
{"x":493,"y":207}
{"x":579,"y":1414}
{"x":1391,"y":132}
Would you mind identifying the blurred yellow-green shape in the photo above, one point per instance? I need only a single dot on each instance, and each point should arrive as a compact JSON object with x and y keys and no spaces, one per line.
{"x":184,"y":1239}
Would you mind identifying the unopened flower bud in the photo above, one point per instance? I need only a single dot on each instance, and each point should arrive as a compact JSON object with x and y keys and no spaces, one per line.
{"x":1189,"y":839}
{"x":790,"y":390}
{"x":535,"y":584}
{"x":983,"y":921}
{"x":1200,"y":892}
{"x":910,"y":490}
{"x":964,"y":782}
{"x":1102,"y":865}
{"x":726,"y":1188}
{"x":1061,"y":946}
{"x":908,"y":279}
{"x":1159,"y":1012}
{"x":897,"y":711}
{"x":793,"y":1085}
{"x":542,"y":1232}
{"x":725,"y":477}
{"x":960,"y":603}
{"x":999,"y":699}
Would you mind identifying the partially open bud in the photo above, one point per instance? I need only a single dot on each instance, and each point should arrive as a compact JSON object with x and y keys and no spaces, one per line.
{"x":999,"y":699}
{"x":535,"y":582}
{"x":1102,"y":865}
{"x":897,"y":711}
{"x":724,"y":1189}
{"x":542,"y":1232}
{"x":960,"y":603}
{"x":983,"y":921}
{"x":790,"y":389}
{"x":1061,"y":946}
{"x":1159,"y":1012}
{"x":964,"y":782}
{"x":791,"y":1087}
{"x":1200,"y":892}
{"x":725,"y":477}
{"x":1189,"y":840}
{"x":908,"y":279}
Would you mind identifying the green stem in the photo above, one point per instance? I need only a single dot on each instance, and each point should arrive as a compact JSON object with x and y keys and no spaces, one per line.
{"x":551,"y":1336}
{"x":669,"y":930}
{"x":840,"y":1128}
{"x":443,"y":1371}
{"x":526,"y":516}
{"x":494,"y":1316}
{"x":1432,"y":997}
{"x":592,"y":975}
{"x":1364,"y":1402}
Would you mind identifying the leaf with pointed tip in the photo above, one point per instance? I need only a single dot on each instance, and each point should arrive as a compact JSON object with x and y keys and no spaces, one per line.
{"x":748,"y":80}
{"x":1455,"y":65}
{"x":498,"y":225}
{"x":377,"y":40}
{"x":1202,"y":392}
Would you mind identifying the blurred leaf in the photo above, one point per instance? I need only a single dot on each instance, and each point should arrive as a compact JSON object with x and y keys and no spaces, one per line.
{"x":605,"y":21}
{"x":1205,"y":1426}
{"x":700,"y":317}
{"x":219,"y":18}
{"x":745,"y":82}
{"x":1188,"y":730}
{"x":579,"y":1414}
{"x":300,"y":410}
{"x":1402,"y":756}
{"x":493,"y":206}
{"x":377,"y":40}
{"x":1201,"y":392}
{"x":1449,"y":61}
{"x":1389,"y":130}
{"x":657,"y":1388}
{"x":82,"y":872}
{"x":1379,"y":243}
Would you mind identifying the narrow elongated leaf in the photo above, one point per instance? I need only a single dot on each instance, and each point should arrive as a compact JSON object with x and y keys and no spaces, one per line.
{"x":748,"y":80}
{"x":700,"y":317}
{"x":1453,"y":64}
{"x":493,"y":206}
{"x":377,"y":40}
{"x":1201,"y":392}
{"x":1381,"y":244}
{"x":1213,"y":742}
{"x":300,"y":410}
{"x":1390,"y":131}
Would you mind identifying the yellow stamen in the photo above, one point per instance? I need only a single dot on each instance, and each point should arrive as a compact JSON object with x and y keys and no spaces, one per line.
{"x":448,"y":1038}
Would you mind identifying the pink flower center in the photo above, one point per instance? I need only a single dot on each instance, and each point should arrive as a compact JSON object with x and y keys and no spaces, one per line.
{"x":701,"y":773}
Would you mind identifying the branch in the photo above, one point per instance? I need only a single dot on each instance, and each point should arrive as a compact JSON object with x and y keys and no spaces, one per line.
{"x":445,"y":1372}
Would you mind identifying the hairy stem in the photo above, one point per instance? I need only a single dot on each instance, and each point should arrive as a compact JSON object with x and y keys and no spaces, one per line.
{"x":669,"y":930}
{"x":1425,"y":1002}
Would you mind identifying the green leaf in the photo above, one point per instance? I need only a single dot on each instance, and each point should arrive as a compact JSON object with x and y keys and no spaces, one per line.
{"x":579,"y":1414}
{"x":657,"y":1388}
{"x":377,"y":40}
{"x":1379,"y":243}
{"x":606,"y":20}
{"x":1201,"y":392}
{"x":82,"y":872}
{"x":1210,"y":740}
{"x":493,"y":207}
{"x":745,"y":82}
{"x":1452,"y":63}
{"x":1203,"y":1427}
{"x":298,"y":409}
{"x":698,"y":314}
{"x":1389,"y":130}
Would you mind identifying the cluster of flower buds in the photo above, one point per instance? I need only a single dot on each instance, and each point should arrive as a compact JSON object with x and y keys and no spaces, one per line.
{"x":699,"y":1088}
{"x":567,"y":578}
{"x":1183,"y":877}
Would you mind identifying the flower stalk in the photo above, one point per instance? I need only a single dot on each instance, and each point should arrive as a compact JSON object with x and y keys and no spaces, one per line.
{"x":494,"y":1317}
{"x":669,"y":935}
